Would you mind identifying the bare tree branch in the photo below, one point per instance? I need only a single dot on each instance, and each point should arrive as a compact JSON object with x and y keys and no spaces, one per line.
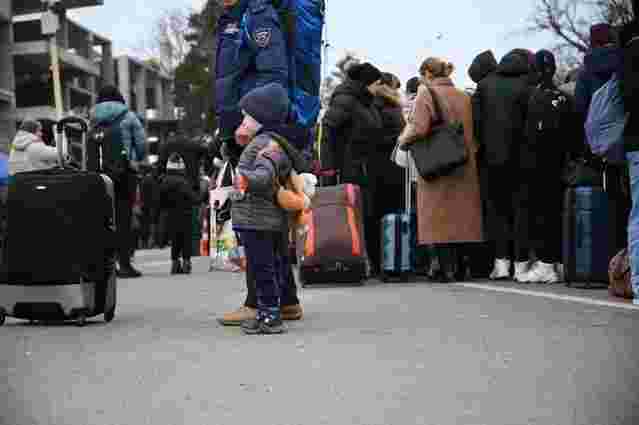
{"x":569,"y":22}
{"x":167,"y":43}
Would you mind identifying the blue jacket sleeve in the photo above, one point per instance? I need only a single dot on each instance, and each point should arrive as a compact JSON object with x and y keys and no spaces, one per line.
{"x":138,"y":139}
{"x":268,"y":44}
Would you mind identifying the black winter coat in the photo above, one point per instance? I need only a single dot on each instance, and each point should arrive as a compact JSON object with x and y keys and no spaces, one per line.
{"x":501,"y":102}
{"x":352,"y":124}
{"x":393,"y":122}
{"x":550,"y":128}
{"x":191,"y":151}
{"x":484,"y":65}
{"x":630,"y":84}
{"x":176,"y":193}
{"x":150,"y":191}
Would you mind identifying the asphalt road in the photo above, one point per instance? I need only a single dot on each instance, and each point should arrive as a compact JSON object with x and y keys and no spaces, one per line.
{"x":375,"y":355}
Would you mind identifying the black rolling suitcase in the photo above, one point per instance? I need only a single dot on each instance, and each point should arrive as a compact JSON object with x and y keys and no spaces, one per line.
{"x":585,"y":236}
{"x":59,"y":262}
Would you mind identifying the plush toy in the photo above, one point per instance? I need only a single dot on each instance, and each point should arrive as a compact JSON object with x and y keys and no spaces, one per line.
{"x":295,"y":197}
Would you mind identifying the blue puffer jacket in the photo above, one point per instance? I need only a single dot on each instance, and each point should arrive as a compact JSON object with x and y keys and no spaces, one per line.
{"x":252,"y":52}
{"x":133,"y":136}
{"x":599,"y":65}
{"x":230,"y":67}
{"x":265,"y":45}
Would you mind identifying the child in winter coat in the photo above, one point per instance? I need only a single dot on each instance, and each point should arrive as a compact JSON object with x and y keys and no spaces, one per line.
{"x":262,"y":223}
{"x":178,"y":197}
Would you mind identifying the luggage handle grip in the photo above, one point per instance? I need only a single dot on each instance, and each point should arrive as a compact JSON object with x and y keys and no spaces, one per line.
{"x":71,"y":120}
{"x":59,"y":129}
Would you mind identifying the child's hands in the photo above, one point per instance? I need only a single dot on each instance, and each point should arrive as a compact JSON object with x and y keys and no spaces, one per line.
{"x":292,"y":201}
{"x":310,"y":184}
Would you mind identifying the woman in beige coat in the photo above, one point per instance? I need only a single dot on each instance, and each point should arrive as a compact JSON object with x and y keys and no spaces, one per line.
{"x":448,"y":208}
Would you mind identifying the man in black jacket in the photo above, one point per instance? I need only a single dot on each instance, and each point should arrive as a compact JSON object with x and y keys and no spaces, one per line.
{"x":549,"y":127}
{"x":483,"y":67}
{"x":178,"y":197}
{"x":501,"y":102}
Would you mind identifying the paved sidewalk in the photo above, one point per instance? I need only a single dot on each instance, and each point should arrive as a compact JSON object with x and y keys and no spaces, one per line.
{"x":381,"y":354}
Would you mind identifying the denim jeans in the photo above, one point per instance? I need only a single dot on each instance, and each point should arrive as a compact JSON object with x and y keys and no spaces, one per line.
{"x":633,"y":221}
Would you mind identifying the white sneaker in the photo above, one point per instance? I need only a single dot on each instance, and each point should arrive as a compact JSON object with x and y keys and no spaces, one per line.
{"x":542,"y":273}
{"x":501,"y":270}
{"x":521,"y":271}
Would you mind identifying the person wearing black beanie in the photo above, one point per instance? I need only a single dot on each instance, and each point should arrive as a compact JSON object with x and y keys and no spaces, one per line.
{"x":549,"y":127}
{"x":365,"y":73}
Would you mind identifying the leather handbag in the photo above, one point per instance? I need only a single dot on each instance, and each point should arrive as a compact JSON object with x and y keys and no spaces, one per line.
{"x":443,"y":150}
{"x":619,"y":274}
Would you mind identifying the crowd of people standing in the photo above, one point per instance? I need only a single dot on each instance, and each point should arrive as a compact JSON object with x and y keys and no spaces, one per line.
{"x":500,"y":215}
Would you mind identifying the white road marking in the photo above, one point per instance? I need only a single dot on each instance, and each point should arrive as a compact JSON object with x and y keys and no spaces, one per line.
{"x":558,"y":297}
{"x":154,"y":264}
{"x":151,"y":252}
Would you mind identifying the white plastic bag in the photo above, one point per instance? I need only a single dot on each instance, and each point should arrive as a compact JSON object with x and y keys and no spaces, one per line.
{"x":223,"y":245}
{"x":400,"y":157}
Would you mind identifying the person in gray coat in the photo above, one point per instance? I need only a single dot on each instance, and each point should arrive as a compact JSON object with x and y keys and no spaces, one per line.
{"x":260,"y":222}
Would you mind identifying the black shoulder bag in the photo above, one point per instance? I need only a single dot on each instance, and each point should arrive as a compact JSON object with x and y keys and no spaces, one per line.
{"x":443,"y":150}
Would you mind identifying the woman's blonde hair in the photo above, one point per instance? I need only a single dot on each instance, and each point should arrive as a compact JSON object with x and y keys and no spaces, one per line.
{"x":439,"y":68}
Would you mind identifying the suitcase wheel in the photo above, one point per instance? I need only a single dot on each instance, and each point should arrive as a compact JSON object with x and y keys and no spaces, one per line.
{"x":3,"y":316}
{"x":109,"y":315}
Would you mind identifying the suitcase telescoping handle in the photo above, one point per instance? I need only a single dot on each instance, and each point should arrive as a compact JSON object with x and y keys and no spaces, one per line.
{"x":408,"y":196}
{"x":84,"y":129}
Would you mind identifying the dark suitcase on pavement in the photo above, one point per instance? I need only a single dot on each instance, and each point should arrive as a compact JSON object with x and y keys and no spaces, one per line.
{"x":585,"y":239}
{"x":60,"y":259}
{"x":332,"y":248}
{"x":399,"y":239}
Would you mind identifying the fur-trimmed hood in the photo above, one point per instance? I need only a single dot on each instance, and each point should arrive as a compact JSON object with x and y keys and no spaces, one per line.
{"x":389,"y":95}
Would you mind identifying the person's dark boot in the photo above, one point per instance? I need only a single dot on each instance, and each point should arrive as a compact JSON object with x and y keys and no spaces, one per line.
{"x":187,"y":267}
{"x":176,"y":267}
{"x":128,"y":272}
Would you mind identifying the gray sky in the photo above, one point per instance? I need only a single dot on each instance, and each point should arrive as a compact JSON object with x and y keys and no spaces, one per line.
{"x":394,"y":35}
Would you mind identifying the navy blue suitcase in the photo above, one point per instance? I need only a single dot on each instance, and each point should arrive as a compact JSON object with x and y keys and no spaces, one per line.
{"x":585,"y":235}
{"x":399,"y":239}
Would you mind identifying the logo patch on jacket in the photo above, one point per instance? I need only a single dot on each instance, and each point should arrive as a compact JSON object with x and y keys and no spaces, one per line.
{"x":262,"y":36}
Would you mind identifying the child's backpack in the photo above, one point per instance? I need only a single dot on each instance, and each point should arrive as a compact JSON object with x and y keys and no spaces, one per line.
{"x":303,"y":21}
{"x":606,"y":122}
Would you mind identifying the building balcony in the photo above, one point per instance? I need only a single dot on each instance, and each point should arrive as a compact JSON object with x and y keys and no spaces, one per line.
{"x":5,"y":11}
{"x":80,"y":50}
{"x":23,"y":7}
{"x":37,"y":53}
